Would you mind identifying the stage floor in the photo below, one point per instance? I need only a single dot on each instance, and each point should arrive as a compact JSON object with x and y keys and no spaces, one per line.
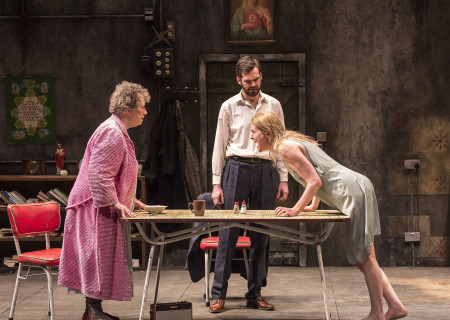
{"x":295,"y":291}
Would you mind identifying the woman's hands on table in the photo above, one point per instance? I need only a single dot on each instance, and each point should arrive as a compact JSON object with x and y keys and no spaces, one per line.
{"x":286,"y":212}
{"x":122,"y":210}
{"x":138,"y":204}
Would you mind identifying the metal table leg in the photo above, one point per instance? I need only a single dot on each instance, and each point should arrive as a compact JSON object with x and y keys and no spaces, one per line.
{"x":127,"y":233}
{"x":147,"y":280}
{"x":322,"y":277}
{"x":158,"y":272}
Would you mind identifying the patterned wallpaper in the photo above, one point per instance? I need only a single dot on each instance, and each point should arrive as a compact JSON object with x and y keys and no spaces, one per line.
{"x":427,"y":138}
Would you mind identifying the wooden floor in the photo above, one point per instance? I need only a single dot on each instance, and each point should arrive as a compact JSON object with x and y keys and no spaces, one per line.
{"x":295,"y":292}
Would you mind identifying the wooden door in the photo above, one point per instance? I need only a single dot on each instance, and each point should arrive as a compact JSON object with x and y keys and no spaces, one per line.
{"x":283,"y":78}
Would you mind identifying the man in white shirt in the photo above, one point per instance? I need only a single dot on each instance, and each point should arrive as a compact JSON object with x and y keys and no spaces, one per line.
{"x":242,"y":173}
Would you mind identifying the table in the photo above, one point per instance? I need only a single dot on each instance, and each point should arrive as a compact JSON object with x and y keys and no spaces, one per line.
{"x":263,"y":221}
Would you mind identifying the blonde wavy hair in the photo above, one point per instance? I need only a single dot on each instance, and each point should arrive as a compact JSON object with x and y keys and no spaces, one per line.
{"x":126,"y":97}
{"x":271,"y":126}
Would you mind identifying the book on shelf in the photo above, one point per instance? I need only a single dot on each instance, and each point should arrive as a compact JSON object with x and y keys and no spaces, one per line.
{"x":53,"y":196}
{"x":42,"y":196}
{"x":17,"y":196}
{"x":5,"y":196}
{"x":4,"y":200}
{"x":62,"y":195}
{"x":12,"y":197}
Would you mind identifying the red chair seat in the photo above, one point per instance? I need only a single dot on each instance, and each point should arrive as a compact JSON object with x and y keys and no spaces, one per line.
{"x":45,"y":258}
{"x":213,"y":242}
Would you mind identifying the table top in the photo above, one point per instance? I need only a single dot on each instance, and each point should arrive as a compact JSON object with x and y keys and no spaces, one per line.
{"x":178,"y":216}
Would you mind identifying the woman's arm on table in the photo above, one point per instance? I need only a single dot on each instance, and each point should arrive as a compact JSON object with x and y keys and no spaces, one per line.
{"x":295,"y":156}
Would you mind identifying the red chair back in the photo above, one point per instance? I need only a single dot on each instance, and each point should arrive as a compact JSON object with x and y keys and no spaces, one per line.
{"x":34,"y":218}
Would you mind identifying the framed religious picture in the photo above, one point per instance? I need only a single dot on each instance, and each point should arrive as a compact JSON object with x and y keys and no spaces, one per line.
{"x":30,"y":109}
{"x":251,"y":22}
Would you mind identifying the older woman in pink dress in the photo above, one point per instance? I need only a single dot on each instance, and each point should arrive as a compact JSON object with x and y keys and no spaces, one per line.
{"x":93,"y":259}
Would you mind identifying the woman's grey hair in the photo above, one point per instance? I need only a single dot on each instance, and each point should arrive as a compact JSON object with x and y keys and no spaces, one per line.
{"x":247,"y":64}
{"x":126,"y":97}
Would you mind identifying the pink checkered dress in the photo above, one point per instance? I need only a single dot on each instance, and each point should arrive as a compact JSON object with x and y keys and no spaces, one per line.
{"x":93,"y":258}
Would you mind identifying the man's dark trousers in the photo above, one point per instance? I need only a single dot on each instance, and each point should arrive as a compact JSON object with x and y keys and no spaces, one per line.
{"x":256,"y":184}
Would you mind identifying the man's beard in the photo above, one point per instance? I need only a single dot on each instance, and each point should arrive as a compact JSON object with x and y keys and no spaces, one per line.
{"x":253,"y":93}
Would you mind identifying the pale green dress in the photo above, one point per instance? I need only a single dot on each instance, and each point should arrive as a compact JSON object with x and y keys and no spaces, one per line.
{"x":349,"y":192}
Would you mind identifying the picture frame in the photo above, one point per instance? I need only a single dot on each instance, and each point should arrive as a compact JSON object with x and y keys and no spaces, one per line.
{"x":251,"y":22}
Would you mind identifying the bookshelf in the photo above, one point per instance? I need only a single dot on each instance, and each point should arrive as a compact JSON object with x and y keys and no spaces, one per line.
{"x":30,"y":178}
{"x":30,"y":185}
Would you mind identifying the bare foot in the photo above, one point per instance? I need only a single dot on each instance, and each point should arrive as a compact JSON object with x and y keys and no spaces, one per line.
{"x":398,"y":313}
{"x":372,"y":317}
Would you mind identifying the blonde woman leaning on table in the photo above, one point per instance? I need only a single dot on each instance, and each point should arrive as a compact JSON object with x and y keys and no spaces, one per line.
{"x":93,"y":259}
{"x":340,"y":188}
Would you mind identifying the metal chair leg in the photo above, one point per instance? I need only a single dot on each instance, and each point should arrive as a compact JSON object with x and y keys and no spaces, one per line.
{"x":207,"y":273}
{"x":16,"y":290}
{"x":50,"y":292}
{"x":49,"y":307}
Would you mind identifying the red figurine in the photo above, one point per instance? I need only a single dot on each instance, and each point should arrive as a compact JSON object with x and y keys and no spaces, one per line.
{"x":60,"y":154}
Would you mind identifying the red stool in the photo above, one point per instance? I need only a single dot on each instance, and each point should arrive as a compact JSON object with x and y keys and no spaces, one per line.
{"x":211,"y":243}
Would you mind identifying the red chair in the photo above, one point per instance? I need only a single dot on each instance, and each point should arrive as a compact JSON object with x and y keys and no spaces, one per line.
{"x":32,"y":219}
{"x":211,"y":243}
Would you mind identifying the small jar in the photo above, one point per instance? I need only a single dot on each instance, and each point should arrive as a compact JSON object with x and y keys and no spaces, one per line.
{"x":243,"y":207}
{"x":236,"y":207}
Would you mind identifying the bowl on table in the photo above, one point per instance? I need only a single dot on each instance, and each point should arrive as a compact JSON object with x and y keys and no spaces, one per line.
{"x":154,"y":208}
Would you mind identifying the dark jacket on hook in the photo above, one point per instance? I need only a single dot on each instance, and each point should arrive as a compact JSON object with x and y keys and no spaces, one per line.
{"x":161,"y":165}
{"x":188,"y":158}
{"x":171,"y":167}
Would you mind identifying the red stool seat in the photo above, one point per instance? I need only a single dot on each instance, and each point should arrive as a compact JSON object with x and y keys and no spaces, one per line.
{"x":45,"y":258}
{"x":213,"y":242}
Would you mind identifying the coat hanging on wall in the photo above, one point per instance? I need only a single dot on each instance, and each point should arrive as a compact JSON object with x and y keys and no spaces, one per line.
{"x":171,"y":167}
{"x":188,"y":158}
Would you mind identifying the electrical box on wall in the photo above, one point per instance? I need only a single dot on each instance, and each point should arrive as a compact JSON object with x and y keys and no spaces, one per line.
{"x":171,"y":30}
{"x":148,"y":15}
{"x":163,"y":63}
{"x":412,"y":236}
{"x":412,"y":164}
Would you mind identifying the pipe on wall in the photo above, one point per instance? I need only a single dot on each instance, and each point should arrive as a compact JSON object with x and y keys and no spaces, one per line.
{"x":24,"y":16}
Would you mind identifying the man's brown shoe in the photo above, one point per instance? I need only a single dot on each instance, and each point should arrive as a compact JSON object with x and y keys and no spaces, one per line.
{"x":216,"y":305}
{"x":259,"y":303}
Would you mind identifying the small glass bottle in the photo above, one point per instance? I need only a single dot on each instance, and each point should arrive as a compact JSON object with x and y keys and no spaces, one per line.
{"x":236,"y":207}
{"x":243,"y":207}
